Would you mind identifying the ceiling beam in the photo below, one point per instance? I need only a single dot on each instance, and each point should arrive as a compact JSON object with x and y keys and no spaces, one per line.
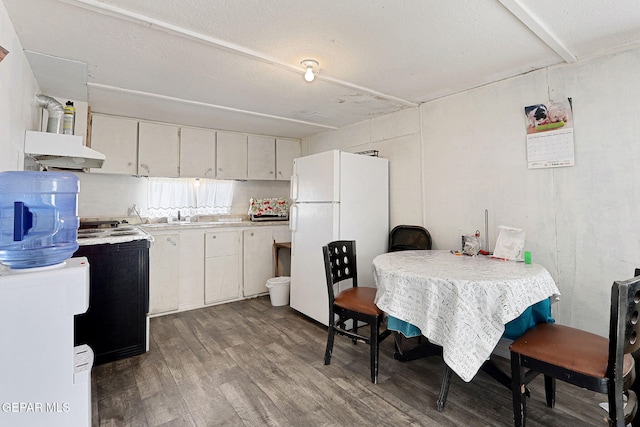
{"x":156,"y":24}
{"x":539,"y":29}
{"x":204,"y":104}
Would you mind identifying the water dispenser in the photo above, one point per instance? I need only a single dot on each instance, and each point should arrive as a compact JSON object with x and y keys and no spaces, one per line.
{"x":38,"y":218}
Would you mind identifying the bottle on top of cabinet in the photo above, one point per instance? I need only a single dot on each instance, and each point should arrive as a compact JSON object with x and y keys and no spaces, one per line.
{"x":69,"y":121}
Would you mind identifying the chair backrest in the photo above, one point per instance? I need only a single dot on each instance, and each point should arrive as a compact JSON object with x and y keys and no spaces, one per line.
{"x":409,"y":237}
{"x":340,"y":264}
{"x":624,"y":333}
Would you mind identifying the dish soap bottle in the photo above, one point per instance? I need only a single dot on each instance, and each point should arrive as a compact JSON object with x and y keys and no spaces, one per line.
{"x":69,"y":122}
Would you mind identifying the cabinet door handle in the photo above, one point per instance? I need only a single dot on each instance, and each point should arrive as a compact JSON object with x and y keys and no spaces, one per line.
{"x":170,"y":240}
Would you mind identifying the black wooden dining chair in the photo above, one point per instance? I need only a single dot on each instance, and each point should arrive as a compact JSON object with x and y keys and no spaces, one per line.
{"x":582,"y":358}
{"x":636,"y":356}
{"x":409,"y":237}
{"x":355,"y":303}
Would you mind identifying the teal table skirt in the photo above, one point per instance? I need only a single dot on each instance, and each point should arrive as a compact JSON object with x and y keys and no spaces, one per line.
{"x":537,"y":313}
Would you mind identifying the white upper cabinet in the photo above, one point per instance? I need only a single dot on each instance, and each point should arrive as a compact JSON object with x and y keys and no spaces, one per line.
{"x":117,"y":139}
{"x":197,"y":153}
{"x":261,"y":160}
{"x":158,"y":150}
{"x":231,"y":155}
{"x":135,"y":147}
{"x":286,"y":151}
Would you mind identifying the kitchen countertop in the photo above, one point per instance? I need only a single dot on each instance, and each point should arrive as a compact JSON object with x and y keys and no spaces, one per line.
{"x":129,"y":232}
{"x":209,"y":224}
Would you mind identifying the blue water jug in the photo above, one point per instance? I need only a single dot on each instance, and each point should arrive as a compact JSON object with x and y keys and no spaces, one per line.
{"x":38,"y":218}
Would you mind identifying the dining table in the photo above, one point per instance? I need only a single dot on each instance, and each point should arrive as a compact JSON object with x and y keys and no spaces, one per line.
{"x":460,"y":303}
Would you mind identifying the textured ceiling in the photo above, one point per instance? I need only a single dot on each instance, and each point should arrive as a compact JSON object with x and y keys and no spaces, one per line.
{"x":235,"y":65}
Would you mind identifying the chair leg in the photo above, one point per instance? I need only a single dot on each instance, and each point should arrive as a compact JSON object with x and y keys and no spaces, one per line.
{"x":355,"y":329}
{"x":517,"y":385}
{"x":550,"y":390}
{"x":374,"y":350}
{"x":329,"y":350}
{"x":444,"y":388}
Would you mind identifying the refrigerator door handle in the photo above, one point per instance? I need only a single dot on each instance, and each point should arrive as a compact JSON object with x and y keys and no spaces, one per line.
{"x":293,"y":224}
{"x":294,"y":187}
{"x":293,"y":218}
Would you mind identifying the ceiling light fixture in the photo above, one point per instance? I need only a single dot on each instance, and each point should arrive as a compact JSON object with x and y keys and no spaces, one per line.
{"x":309,"y":74}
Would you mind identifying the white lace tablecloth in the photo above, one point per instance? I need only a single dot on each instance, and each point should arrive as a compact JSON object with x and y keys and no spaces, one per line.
{"x":459,"y":302}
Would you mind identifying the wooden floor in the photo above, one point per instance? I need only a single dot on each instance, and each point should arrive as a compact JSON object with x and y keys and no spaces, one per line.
{"x":250,"y":364}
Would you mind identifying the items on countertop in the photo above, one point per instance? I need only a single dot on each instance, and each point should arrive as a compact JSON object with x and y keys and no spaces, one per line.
{"x":276,"y":208}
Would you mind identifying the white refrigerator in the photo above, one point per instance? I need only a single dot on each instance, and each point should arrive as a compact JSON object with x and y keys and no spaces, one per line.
{"x":336,"y":196}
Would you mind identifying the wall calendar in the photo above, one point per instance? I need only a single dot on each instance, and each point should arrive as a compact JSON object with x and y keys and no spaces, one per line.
{"x":549,"y":134}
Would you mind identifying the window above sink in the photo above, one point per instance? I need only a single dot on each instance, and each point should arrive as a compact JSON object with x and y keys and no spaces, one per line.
{"x":182,"y":198}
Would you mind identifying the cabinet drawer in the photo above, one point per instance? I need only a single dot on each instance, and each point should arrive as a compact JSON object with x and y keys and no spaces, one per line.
{"x":221,"y":243}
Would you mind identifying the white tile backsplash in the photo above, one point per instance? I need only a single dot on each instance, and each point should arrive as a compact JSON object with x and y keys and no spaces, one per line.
{"x":111,"y":196}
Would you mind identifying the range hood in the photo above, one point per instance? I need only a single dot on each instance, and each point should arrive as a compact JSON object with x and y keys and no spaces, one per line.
{"x":61,"y":151}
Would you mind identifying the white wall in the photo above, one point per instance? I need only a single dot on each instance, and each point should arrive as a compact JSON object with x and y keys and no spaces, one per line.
{"x":245,"y":190}
{"x":598,"y":201}
{"x":397,"y":138}
{"x":110,"y":196}
{"x":18,"y":89}
{"x":582,"y":223}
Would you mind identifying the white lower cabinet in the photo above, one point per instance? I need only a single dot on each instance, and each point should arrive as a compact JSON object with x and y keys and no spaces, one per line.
{"x":258,"y":260}
{"x":164,"y":273}
{"x":222,"y":267}
{"x":191,"y":269}
{"x":194,"y":267}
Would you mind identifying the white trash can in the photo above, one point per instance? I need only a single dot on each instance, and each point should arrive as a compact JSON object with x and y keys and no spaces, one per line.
{"x":279,"y":290}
